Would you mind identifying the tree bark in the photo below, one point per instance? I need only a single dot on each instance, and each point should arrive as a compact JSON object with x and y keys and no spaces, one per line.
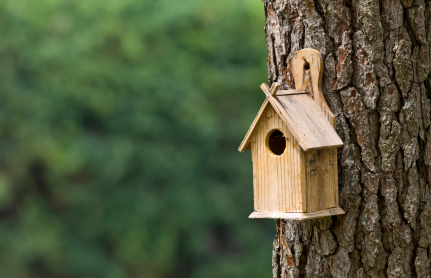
{"x":377,"y":84}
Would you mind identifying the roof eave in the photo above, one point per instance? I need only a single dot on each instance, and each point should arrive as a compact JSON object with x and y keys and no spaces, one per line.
{"x":322,"y":147}
{"x":245,"y":144}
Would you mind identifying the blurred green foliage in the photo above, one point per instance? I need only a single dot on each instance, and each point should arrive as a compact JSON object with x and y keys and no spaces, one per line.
{"x":120,"y":122}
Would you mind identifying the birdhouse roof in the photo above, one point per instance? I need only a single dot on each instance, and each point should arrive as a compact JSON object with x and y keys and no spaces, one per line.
{"x":304,"y":118}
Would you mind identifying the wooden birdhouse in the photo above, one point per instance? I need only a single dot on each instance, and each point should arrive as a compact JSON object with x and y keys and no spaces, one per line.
{"x":294,"y":147}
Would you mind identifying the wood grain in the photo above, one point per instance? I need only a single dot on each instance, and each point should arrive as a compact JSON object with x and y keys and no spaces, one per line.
{"x":321,"y":179}
{"x":311,"y":79}
{"x":308,"y":123}
{"x":277,"y":180}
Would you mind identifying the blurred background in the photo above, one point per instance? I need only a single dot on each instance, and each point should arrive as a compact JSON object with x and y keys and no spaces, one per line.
{"x":119,"y":127}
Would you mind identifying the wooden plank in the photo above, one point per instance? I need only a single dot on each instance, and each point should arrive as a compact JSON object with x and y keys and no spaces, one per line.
{"x":256,"y":189}
{"x":291,"y":92}
{"x":302,"y":177}
{"x":297,"y":215}
{"x":271,"y":170}
{"x":307,"y":122}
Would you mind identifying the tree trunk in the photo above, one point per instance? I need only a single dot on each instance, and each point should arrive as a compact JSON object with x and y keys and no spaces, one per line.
{"x":377,"y":84}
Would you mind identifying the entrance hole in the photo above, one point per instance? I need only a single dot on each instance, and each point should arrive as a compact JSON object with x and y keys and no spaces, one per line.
{"x":277,"y":142}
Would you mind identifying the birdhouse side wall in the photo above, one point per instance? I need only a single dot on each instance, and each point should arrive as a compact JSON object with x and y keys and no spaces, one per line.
{"x":321,"y":179}
{"x":279,"y":181}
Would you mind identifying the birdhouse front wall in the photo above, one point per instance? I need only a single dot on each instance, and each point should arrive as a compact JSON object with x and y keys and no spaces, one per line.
{"x":278,"y":179}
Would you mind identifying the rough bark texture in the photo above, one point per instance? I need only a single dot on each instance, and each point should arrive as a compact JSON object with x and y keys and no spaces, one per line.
{"x":377,"y":83}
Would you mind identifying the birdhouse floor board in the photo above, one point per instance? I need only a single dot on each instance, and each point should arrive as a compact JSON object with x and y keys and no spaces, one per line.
{"x":297,"y":215}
